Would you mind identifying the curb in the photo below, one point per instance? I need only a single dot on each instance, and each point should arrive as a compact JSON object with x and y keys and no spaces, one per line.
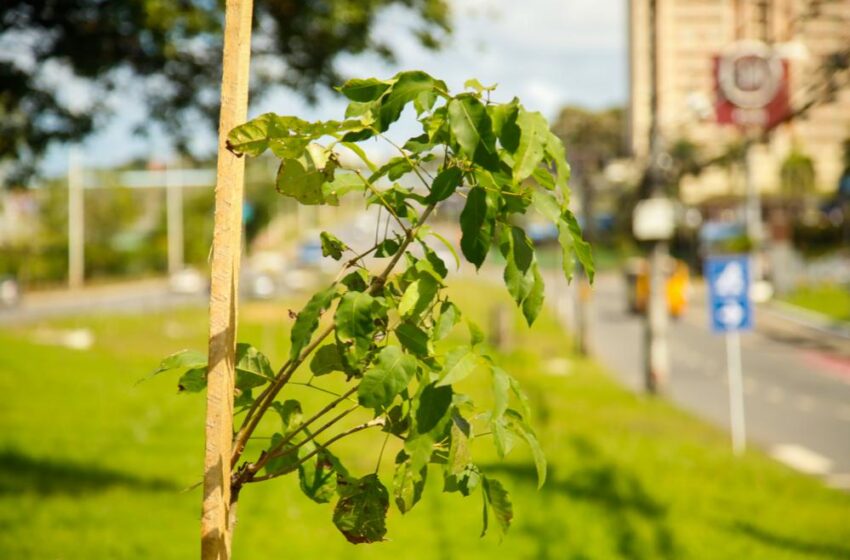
{"x":806,"y":318}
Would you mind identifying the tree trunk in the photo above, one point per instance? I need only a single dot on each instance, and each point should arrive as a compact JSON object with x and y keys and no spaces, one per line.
{"x":217,"y":514}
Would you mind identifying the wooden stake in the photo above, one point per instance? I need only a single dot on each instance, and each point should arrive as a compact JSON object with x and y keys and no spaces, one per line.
{"x":216,"y":522}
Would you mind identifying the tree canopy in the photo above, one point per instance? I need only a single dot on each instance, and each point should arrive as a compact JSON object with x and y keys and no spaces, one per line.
{"x":60,"y":59}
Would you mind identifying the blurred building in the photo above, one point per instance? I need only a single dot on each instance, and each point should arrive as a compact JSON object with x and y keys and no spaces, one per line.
{"x":690,"y":34}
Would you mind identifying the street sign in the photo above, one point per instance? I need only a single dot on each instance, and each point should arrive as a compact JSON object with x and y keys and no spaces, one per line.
{"x":728,"y":280}
{"x":751,"y":83}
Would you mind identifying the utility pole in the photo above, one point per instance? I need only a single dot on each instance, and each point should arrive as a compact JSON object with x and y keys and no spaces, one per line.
{"x":581,"y":292}
{"x":657,"y":361}
{"x":755,"y":232}
{"x":76,"y":220}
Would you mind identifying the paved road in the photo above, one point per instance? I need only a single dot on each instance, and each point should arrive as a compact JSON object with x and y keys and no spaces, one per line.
{"x":129,"y":297}
{"x":796,"y":381}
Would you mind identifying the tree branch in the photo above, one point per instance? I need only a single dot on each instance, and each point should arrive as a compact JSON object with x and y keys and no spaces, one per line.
{"x":320,"y":447}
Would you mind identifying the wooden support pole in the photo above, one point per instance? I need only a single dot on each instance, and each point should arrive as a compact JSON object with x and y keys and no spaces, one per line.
{"x":217,"y":521}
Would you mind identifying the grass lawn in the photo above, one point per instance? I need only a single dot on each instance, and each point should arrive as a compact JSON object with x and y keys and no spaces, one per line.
{"x":832,"y":300}
{"x":94,"y":466}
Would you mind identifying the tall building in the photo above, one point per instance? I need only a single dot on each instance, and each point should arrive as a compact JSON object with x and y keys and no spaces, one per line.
{"x":690,"y":34}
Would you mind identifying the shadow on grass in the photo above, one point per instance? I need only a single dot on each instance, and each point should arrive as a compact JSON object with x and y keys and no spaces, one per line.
{"x":783,"y":542}
{"x":22,"y":474}
{"x":638,"y":522}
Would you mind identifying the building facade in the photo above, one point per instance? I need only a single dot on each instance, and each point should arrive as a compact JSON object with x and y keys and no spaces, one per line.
{"x":690,"y":34}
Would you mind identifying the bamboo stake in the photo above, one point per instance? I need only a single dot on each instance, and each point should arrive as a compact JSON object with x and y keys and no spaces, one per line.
{"x":217,"y":520}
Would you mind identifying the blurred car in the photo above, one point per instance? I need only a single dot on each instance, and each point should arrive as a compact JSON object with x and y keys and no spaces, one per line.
{"x":10,"y":292}
{"x":188,"y":281}
{"x":637,"y":285}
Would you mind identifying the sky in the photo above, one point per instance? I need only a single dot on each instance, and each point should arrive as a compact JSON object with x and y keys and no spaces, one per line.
{"x":549,"y":53}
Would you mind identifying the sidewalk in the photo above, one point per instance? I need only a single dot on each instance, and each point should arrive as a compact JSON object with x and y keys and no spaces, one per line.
{"x":128,"y":296}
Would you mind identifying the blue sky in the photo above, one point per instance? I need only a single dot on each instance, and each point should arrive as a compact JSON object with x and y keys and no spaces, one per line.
{"x":546,"y":52}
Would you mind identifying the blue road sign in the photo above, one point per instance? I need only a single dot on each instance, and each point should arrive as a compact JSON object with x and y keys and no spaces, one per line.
{"x":728,"y":281}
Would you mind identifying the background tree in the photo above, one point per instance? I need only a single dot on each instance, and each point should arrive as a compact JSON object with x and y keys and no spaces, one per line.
{"x":592,"y":139}
{"x":797,"y":174}
{"x":61,"y":59}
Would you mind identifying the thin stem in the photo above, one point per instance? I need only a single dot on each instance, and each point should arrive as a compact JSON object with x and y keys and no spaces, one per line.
{"x":413,"y":166}
{"x":320,"y":447}
{"x":279,"y":451}
{"x":381,"y":454}
{"x":384,"y":203}
{"x":316,"y":387}
{"x":254,"y":467}
{"x":285,"y":373}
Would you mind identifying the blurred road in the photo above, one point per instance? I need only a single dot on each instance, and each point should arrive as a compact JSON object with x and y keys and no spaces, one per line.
{"x":128,"y":296}
{"x":796,"y":380}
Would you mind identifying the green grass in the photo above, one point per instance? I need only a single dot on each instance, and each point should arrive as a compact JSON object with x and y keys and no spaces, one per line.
{"x":93,"y":465}
{"x":831,"y":300}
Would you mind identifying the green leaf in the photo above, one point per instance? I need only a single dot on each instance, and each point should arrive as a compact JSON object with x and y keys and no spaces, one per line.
{"x":503,"y":117}
{"x":464,"y":482}
{"x":520,"y":395}
{"x":290,"y":414}
{"x":445,"y":184}
{"x":252,"y":367}
{"x":307,"y":320}
{"x":252,"y":138}
{"x":303,"y":178}
{"x":408,"y":483}
{"x":414,"y":339}
{"x":569,"y":235}
{"x":193,"y":381}
{"x":366,"y":90}
{"x":418,"y":296}
{"x":448,"y":246}
{"x":285,"y":463}
{"x":476,"y":226}
{"x":459,"y":453}
{"x":513,"y":246}
{"x":316,"y":476}
{"x":341,"y":185}
{"x":476,"y":335}
{"x":501,"y":384}
{"x":358,"y":151}
{"x":503,"y":437}
{"x":419,"y":144}
{"x":557,"y":155}
{"x":547,"y":205}
{"x":432,"y":407}
{"x":449,"y":317}
{"x":471,"y":126}
{"x":387,"y":248}
{"x":394,"y":169}
{"x":355,"y":323}
{"x":499,"y":501}
{"x":544,"y":178}
{"x":332,"y":246}
{"x":533,"y":303}
{"x":436,"y":263}
{"x":472,"y":83}
{"x":460,"y":362}
{"x":326,"y":360}
{"x":182,"y":360}
{"x":360,"y":514}
{"x":533,"y":134}
{"x":409,"y":86}
{"x":389,"y":376}
{"x":518,"y":426}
